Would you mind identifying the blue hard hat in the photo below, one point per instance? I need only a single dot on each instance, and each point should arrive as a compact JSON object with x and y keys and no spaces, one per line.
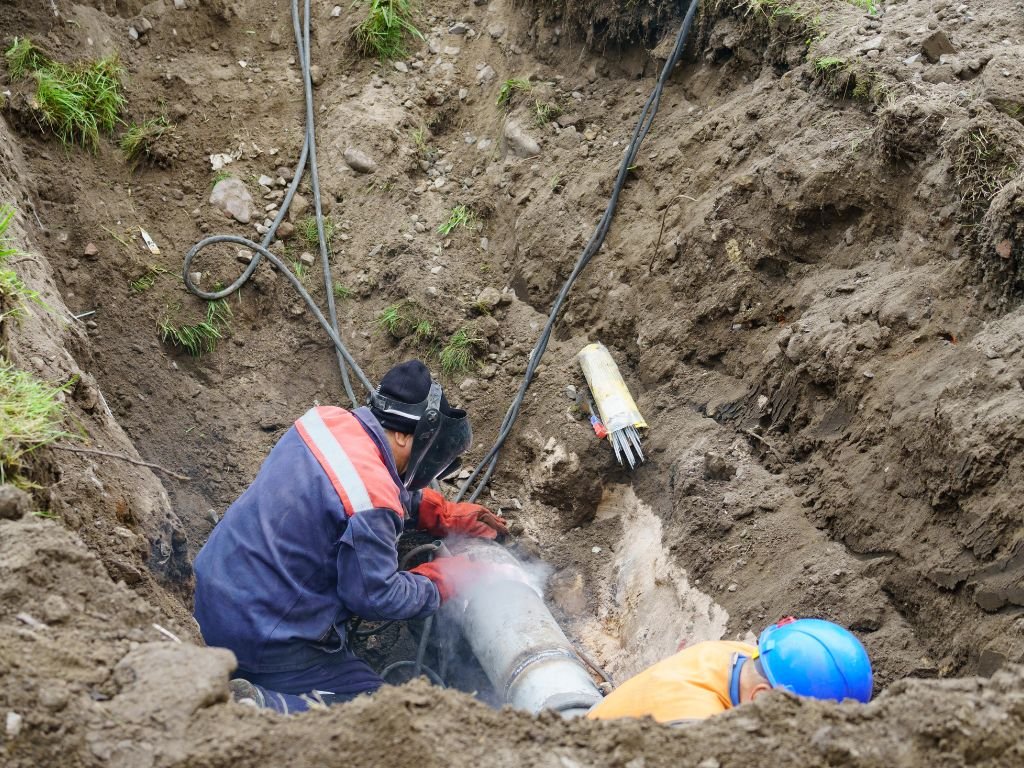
{"x":815,"y":658}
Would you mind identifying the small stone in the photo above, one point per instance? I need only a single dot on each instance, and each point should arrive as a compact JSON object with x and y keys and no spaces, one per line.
{"x":520,"y":143}
{"x":180,"y":5}
{"x":486,"y":74}
{"x":436,"y":270}
{"x":90,"y":251}
{"x":467,"y":385}
{"x":451,"y":50}
{"x":285,"y":230}
{"x":497,"y":31}
{"x":307,"y":258}
{"x":596,"y":550}
{"x":133,"y":33}
{"x":232,"y":196}
{"x":298,"y":207}
{"x":335,"y":11}
{"x":709,"y":763}
{"x":265,"y":181}
{"x":400,"y":66}
{"x":570,"y":392}
{"x":732,"y":587}
{"x":196,"y":278}
{"x":316,"y":74}
{"x":359,"y":161}
{"x":14,"y":721}
{"x":488,"y":298}
{"x":935,"y":45}
{"x":868,"y":375}
{"x":716,"y":467}
{"x":55,"y":609}
{"x":243,"y":256}
{"x":460,"y":28}
{"x":275,"y":38}
{"x":14,"y":503}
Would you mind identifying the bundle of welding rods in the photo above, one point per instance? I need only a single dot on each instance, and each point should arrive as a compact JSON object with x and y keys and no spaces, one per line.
{"x":615,"y":408}
{"x":624,"y":441}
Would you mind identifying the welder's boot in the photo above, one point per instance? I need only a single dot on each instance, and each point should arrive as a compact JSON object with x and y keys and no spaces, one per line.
{"x":244,"y":692}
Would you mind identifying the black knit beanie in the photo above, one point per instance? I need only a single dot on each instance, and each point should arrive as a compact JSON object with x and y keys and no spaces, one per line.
{"x":409,"y":383}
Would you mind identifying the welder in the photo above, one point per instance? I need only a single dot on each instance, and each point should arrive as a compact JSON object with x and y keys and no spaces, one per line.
{"x":807,"y":657}
{"x":313,"y":542}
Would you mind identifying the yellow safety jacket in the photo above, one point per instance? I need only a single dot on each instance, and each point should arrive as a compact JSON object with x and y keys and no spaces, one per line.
{"x":697,"y":682}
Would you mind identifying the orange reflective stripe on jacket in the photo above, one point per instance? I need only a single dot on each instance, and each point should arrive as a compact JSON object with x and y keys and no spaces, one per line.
{"x":691,"y":685}
{"x":350,"y":459}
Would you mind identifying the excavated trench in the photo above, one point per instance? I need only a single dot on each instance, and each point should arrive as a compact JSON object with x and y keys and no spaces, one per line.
{"x":810,"y":289}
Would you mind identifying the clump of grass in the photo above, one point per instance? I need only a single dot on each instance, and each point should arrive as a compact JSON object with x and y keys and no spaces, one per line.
{"x":984,"y":158}
{"x":828,"y":65}
{"x":511,"y":87}
{"x":544,"y":112}
{"x":382,"y":33}
{"x":200,"y":338}
{"x":868,"y":6}
{"x":424,"y":331}
{"x":460,"y":216}
{"x":341,"y":291}
{"x":406,"y":318}
{"x":140,"y":138}
{"x":23,"y":58}
{"x":457,"y":355}
{"x":148,"y":279}
{"x":306,"y":229}
{"x":75,"y":102}
{"x":31,"y":415}
{"x":394,"y":320}
{"x":13,"y":291}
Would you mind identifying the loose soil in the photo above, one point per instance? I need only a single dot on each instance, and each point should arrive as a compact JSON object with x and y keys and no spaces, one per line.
{"x":812,"y":287}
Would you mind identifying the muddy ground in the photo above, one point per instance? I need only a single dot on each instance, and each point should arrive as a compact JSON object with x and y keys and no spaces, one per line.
{"x":812,"y":287}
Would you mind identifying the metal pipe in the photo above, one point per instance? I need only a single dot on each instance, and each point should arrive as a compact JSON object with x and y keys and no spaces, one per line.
{"x":521,"y":648}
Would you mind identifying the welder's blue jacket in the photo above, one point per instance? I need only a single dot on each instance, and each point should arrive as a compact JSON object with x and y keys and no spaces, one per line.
{"x":311,"y":543}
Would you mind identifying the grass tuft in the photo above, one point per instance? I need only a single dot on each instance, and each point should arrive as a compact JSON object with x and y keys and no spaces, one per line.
{"x":23,"y":58}
{"x":200,"y":338}
{"x":140,"y":138}
{"x":544,"y":112}
{"x":342,"y":292}
{"x":79,"y":103}
{"x":31,"y":415}
{"x":510,"y":88}
{"x":13,"y":292}
{"x":382,"y":33}
{"x":460,"y":216}
{"x":458,"y":354}
{"x":306,"y":229}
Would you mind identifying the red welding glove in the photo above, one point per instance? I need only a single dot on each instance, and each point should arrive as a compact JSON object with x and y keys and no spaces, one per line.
{"x":440,"y":517}
{"x":452,"y":574}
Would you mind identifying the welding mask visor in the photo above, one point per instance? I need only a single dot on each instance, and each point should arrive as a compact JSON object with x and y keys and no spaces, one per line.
{"x":441,"y":436}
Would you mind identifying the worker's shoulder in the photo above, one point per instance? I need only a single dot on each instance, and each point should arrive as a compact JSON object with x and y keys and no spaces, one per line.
{"x":714,"y":648}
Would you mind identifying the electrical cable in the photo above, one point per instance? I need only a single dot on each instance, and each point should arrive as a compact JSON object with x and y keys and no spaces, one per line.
{"x":307,"y":156}
{"x":485,"y":468}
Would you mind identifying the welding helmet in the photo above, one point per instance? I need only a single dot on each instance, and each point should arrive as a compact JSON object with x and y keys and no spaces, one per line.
{"x":815,"y":658}
{"x":441,"y":434}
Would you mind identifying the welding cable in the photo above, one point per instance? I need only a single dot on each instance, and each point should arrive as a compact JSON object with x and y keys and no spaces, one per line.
{"x":307,"y":156}
{"x":424,"y":669}
{"x":589,"y":661}
{"x":485,"y":468}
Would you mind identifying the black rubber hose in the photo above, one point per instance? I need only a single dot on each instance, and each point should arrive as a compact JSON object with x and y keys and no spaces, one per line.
{"x":485,"y":468}
{"x":308,"y":155}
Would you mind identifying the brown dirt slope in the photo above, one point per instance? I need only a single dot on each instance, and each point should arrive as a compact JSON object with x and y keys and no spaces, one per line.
{"x":812,"y":287}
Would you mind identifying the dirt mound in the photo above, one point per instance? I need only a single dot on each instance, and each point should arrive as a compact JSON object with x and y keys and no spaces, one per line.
{"x":89,"y":679}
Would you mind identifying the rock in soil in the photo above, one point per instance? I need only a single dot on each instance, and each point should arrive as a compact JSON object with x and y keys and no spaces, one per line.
{"x":233,"y":197}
